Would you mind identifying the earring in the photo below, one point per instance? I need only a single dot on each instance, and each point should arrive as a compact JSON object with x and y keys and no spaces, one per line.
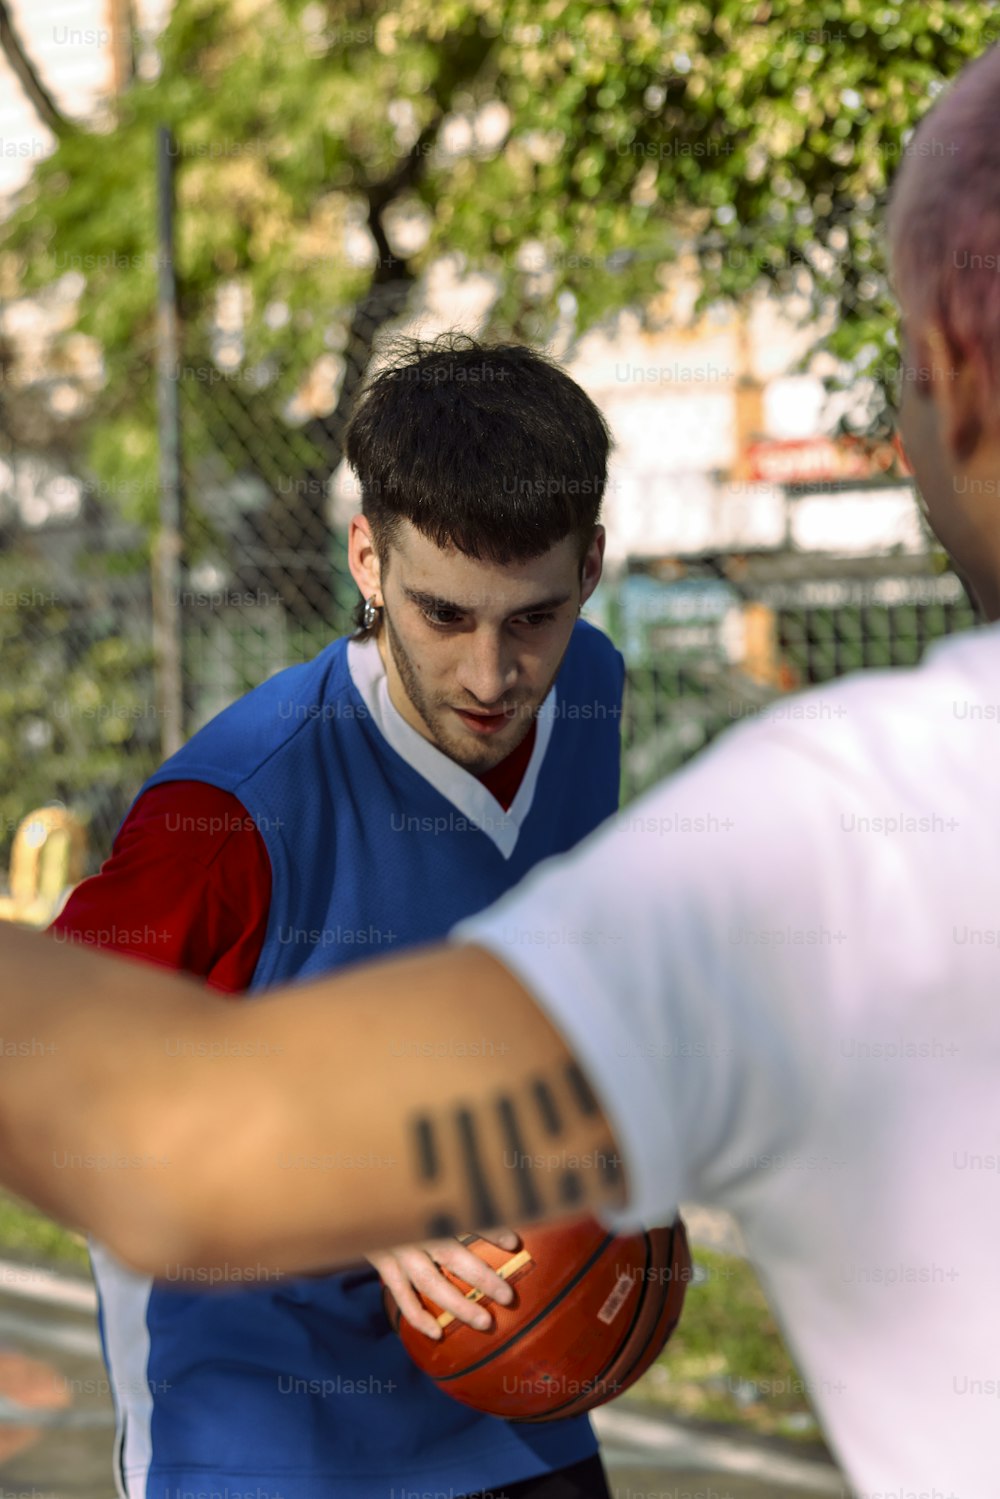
{"x":371,"y":612}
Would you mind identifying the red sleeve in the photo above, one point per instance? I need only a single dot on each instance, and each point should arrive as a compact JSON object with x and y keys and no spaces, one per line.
{"x":187,"y":886}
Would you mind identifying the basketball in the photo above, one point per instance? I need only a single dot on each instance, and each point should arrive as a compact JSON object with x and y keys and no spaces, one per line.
{"x":591,"y":1312}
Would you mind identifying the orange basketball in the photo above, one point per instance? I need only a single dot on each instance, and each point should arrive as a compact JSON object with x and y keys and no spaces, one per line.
{"x":591,"y":1312}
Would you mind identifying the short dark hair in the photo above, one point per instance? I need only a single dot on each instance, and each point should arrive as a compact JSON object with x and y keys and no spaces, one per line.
{"x":490,"y":448}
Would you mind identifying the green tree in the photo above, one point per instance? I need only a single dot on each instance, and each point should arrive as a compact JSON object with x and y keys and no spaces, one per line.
{"x":75,"y":702}
{"x":604,"y":134}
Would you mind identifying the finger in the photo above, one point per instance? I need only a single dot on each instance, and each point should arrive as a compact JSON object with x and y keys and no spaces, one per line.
{"x":429,"y":1281}
{"x":469,"y":1267}
{"x":409,"y":1304}
{"x":503,"y":1238}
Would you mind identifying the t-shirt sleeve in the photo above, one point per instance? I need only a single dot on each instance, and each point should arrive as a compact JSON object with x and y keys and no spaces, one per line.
{"x":187,"y":886}
{"x":646,"y":947}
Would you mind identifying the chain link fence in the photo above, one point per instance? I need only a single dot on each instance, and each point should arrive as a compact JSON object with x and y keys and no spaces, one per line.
{"x":78,"y":723}
{"x":680,"y":697}
{"x":266,"y":581}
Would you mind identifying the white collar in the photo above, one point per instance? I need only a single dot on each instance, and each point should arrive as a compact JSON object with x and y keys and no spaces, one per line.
{"x":478,"y":805}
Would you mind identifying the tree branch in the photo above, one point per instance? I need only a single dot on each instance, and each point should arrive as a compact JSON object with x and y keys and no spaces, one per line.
{"x":24,"y":70}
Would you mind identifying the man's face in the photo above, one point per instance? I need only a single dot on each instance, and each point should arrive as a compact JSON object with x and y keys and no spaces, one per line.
{"x":472,"y":648}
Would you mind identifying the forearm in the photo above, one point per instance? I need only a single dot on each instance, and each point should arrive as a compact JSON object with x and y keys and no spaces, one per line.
{"x":294,"y":1131}
{"x":402,"y":1100}
{"x":84,"y":1103}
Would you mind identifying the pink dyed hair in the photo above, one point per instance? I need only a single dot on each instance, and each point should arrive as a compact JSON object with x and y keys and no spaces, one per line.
{"x":944,"y":216}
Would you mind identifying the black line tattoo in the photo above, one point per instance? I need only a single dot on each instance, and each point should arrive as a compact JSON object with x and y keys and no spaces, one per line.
{"x":442,"y":1226}
{"x":483,"y":1208}
{"x":474,"y":1185}
{"x":426,"y":1149}
{"x":547,"y":1106}
{"x":570,"y":1189}
{"x":580,"y":1089}
{"x":530,"y":1204}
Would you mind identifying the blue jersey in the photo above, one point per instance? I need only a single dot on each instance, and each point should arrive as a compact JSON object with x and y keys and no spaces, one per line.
{"x":297,"y":1388}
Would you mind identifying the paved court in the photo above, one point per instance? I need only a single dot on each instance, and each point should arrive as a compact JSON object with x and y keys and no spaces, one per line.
{"x":56,"y":1423}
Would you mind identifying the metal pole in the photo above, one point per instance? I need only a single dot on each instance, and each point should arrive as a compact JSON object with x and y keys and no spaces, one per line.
{"x":168,"y":551}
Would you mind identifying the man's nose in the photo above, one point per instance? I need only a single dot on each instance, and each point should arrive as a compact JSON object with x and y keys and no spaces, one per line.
{"x":487,"y":670}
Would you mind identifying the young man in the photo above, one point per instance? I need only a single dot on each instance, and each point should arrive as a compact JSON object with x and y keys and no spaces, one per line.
{"x":361,"y":803}
{"x":789,"y":1006}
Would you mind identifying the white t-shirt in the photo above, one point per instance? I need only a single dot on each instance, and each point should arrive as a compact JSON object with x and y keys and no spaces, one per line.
{"x":781,"y":971}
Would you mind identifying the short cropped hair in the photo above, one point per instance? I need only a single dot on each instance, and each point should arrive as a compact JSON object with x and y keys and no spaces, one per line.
{"x":490,"y":448}
{"x":944,"y":215}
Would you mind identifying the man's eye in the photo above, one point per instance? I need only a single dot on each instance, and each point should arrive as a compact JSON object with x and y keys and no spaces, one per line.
{"x":441,"y":616}
{"x":537,"y":620}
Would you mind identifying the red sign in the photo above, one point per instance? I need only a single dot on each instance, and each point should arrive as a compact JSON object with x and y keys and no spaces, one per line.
{"x":817,"y":458}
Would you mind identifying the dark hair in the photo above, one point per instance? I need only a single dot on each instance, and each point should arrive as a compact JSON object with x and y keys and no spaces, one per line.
{"x":490,"y":448}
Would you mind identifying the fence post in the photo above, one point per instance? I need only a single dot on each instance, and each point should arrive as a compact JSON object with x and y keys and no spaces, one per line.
{"x":168,"y":549}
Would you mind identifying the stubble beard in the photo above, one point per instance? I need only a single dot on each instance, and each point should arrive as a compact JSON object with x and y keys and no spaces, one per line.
{"x":456,"y":744}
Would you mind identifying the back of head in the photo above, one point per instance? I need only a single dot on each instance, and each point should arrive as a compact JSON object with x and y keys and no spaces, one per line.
{"x":944,"y":217}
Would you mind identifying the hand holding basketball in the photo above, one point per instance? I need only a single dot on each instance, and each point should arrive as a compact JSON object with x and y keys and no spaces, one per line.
{"x":589,"y":1314}
{"x":413,"y":1271}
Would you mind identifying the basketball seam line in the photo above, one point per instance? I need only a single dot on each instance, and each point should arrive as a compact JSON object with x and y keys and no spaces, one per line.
{"x":496,"y":1352}
{"x":610,"y":1363}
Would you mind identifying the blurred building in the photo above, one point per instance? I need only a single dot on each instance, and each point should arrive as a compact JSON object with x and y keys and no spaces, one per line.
{"x":736,"y":482}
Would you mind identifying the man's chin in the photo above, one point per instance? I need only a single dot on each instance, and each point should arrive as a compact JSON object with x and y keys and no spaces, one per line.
{"x":479,"y":755}
{"x":479,"y":758}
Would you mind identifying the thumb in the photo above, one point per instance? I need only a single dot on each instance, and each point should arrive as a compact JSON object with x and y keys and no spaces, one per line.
{"x":504,"y":1238}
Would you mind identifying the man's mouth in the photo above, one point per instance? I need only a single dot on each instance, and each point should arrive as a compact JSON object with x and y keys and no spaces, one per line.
{"x":484,"y":723}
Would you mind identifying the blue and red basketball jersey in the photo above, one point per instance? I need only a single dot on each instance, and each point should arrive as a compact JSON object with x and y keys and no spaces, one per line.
{"x":296,"y":1388}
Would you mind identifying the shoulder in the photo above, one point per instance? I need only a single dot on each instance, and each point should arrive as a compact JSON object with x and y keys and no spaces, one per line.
{"x":588,"y":639}
{"x":882,"y":725}
{"x":590,"y":651}
{"x":189,"y":822}
{"x":773,"y":797}
{"x":188,"y":866}
{"x":248,"y":733}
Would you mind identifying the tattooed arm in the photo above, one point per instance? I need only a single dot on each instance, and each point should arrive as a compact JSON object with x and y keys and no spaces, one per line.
{"x":396,"y":1102}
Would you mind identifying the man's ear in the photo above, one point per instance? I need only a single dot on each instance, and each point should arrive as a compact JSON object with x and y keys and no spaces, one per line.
{"x":957,"y":381}
{"x":362,"y":558}
{"x":593,"y":564}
